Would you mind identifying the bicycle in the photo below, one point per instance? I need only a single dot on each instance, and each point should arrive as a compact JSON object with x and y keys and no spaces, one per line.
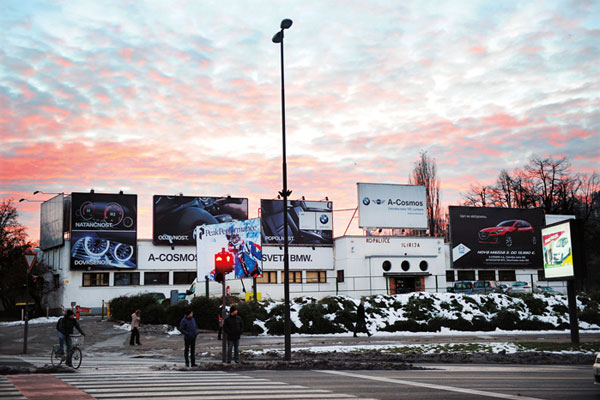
{"x":57,"y":357}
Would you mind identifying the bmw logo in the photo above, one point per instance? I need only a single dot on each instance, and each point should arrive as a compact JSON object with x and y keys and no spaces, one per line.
{"x":366,"y":201}
{"x":379,"y":201}
{"x":324,"y":219}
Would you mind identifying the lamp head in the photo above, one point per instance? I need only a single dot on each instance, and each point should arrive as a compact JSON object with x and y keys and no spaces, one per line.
{"x":286,"y":23}
{"x":36,"y":192}
{"x":278,"y":37}
{"x":22,"y":200}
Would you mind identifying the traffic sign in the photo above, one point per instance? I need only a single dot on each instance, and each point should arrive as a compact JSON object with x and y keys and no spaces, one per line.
{"x":30,"y":258}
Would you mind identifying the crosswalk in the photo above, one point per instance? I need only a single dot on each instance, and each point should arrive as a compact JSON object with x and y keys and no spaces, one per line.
{"x":8,"y":391}
{"x":182,"y":385}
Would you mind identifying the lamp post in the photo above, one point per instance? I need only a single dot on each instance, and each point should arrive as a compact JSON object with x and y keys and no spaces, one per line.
{"x":278,"y":38}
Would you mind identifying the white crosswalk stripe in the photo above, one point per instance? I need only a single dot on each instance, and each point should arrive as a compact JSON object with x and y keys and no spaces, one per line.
{"x":183,"y":385}
{"x":8,"y":391}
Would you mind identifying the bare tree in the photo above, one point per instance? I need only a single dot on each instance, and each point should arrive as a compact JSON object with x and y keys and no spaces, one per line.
{"x":425,"y":173}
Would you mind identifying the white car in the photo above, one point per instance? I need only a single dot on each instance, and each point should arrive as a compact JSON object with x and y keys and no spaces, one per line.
{"x":519,"y":287}
{"x":597,"y":370}
{"x":561,"y":250}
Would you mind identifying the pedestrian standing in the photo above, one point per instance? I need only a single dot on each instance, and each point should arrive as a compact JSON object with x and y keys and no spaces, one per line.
{"x":361,"y":324}
{"x":188,"y":327}
{"x":220,"y":316}
{"x":135,"y":324}
{"x":233,"y":326}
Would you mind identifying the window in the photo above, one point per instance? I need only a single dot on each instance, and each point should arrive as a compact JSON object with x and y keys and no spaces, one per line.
{"x":95,"y":279}
{"x":405,"y":265}
{"x":466,"y":275}
{"x":541,"y":275}
{"x":127,"y":278}
{"x":450,"y":276}
{"x":386,"y":265}
{"x":316,"y":277}
{"x":423,"y":266}
{"x":295,"y":276}
{"x":184,"y":278}
{"x":507,"y":276}
{"x":267,"y":277}
{"x":487,"y":275}
{"x":340,"y":276}
{"x":156,"y":278}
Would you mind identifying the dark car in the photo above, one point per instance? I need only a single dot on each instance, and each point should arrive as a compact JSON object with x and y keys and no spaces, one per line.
{"x":462,"y":287}
{"x":508,"y":233}
{"x":485,"y":287}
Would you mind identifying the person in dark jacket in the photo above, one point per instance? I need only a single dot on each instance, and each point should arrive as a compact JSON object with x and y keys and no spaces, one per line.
{"x":220,"y":316}
{"x":65,"y":326}
{"x":361,"y":324}
{"x":188,"y":327}
{"x":233,"y":326}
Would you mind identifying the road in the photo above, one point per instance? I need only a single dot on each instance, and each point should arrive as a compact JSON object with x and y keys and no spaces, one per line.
{"x":115,"y":377}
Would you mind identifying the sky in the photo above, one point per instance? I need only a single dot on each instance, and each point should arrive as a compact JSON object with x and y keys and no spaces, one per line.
{"x":168,"y":97}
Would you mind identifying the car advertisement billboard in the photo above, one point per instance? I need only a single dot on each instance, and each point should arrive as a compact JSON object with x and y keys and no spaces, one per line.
{"x":563,"y":253}
{"x":52,"y":222}
{"x":238,"y":239}
{"x":103,"y":231}
{"x":176,"y":217}
{"x":310,"y":223}
{"x":391,"y":206}
{"x":487,"y":237}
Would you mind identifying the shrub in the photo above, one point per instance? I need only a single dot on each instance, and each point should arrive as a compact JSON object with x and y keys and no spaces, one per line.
{"x":480,"y":323}
{"x":507,"y":320}
{"x":535,"y":325}
{"x":590,"y":313}
{"x":155,"y":314}
{"x":560,"y":309}
{"x":314,"y":321}
{"x":122,"y":307}
{"x":419,"y":308}
{"x":251,"y":312}
{"x":536,"y":306}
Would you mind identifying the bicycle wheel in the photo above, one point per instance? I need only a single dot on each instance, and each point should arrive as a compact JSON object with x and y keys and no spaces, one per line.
{"x":55,"y":358}
{"x":76,"y":357}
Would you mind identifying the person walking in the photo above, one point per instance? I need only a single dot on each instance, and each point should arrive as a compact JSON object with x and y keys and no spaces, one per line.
{"x":65,"y":326}
{"x":233,"y":326}
{"x":188,"y":327}
{"x":135,"y":324}
{"x":361,"y":324}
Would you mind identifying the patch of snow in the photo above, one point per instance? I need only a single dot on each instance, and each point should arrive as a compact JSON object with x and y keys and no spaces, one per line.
{"x":41,"y":320}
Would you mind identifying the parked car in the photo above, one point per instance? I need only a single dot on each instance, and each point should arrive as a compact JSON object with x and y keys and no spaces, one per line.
{"x":508,"y":233}
{"x":519,"y":287}
{"x":158,"y":297}
{"x":462,"y":287}
{"x":484,"y":287}
{"x":503,"y":287}
{"x":546,"y":290}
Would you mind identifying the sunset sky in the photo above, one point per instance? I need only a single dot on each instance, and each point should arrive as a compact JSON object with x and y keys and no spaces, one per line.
{"x":163,"y":97}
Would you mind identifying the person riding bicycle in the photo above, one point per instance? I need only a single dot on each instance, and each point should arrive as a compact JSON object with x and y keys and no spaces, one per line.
{"x":65,"y":326}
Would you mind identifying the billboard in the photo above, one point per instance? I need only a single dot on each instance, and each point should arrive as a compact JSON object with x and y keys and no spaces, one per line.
{"x":301,"y":258}
{"x":240,"y":239}
{"x":391,"y":206}
{"x":487,"y":237}
{"x":176,"y":217}
{"x":103,"y":231}
{"x":310,"y":223}
{"x":561,"y":248}
{"x":52,"y":222}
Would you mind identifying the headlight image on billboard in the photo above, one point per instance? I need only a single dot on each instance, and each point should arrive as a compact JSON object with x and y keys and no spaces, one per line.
{"x":310,"y":223}
{"x":52,"y":222}
{"x":176,"y":217}
{"x":557,"y":245}
{"x":233,"y":246}
{"x":391,"y":206}
{"x":103,"y":231}
{"x":491,"y":237}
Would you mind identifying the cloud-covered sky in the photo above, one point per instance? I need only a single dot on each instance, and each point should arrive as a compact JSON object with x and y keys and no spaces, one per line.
{"x":163,"y":97}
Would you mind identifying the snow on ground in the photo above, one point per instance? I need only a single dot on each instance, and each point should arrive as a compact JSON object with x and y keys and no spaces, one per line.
{"x":42,"y":320}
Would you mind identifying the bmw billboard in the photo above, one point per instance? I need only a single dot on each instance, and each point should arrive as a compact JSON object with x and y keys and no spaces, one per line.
{"x":310,"y":223}
{"x":103,"y":231}
{"x":391,"y":206}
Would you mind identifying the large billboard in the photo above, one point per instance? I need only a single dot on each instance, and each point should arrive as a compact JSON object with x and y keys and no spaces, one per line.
{"x":561,"y":243}
{"x":52,"y":222}
{"x":391,"y":206}
{"x":240,"y":239}
{"x":487,"y":237}
{"x":176,"y":217}
{"x":103,"y":231}
{"x":310,"y":223}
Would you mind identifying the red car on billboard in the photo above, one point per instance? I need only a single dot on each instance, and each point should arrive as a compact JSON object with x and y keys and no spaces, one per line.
{"x":508,"y":233}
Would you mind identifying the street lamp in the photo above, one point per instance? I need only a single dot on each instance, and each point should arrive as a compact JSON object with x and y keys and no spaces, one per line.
{"x":278,"y":38}
{"x":31,"y":201}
